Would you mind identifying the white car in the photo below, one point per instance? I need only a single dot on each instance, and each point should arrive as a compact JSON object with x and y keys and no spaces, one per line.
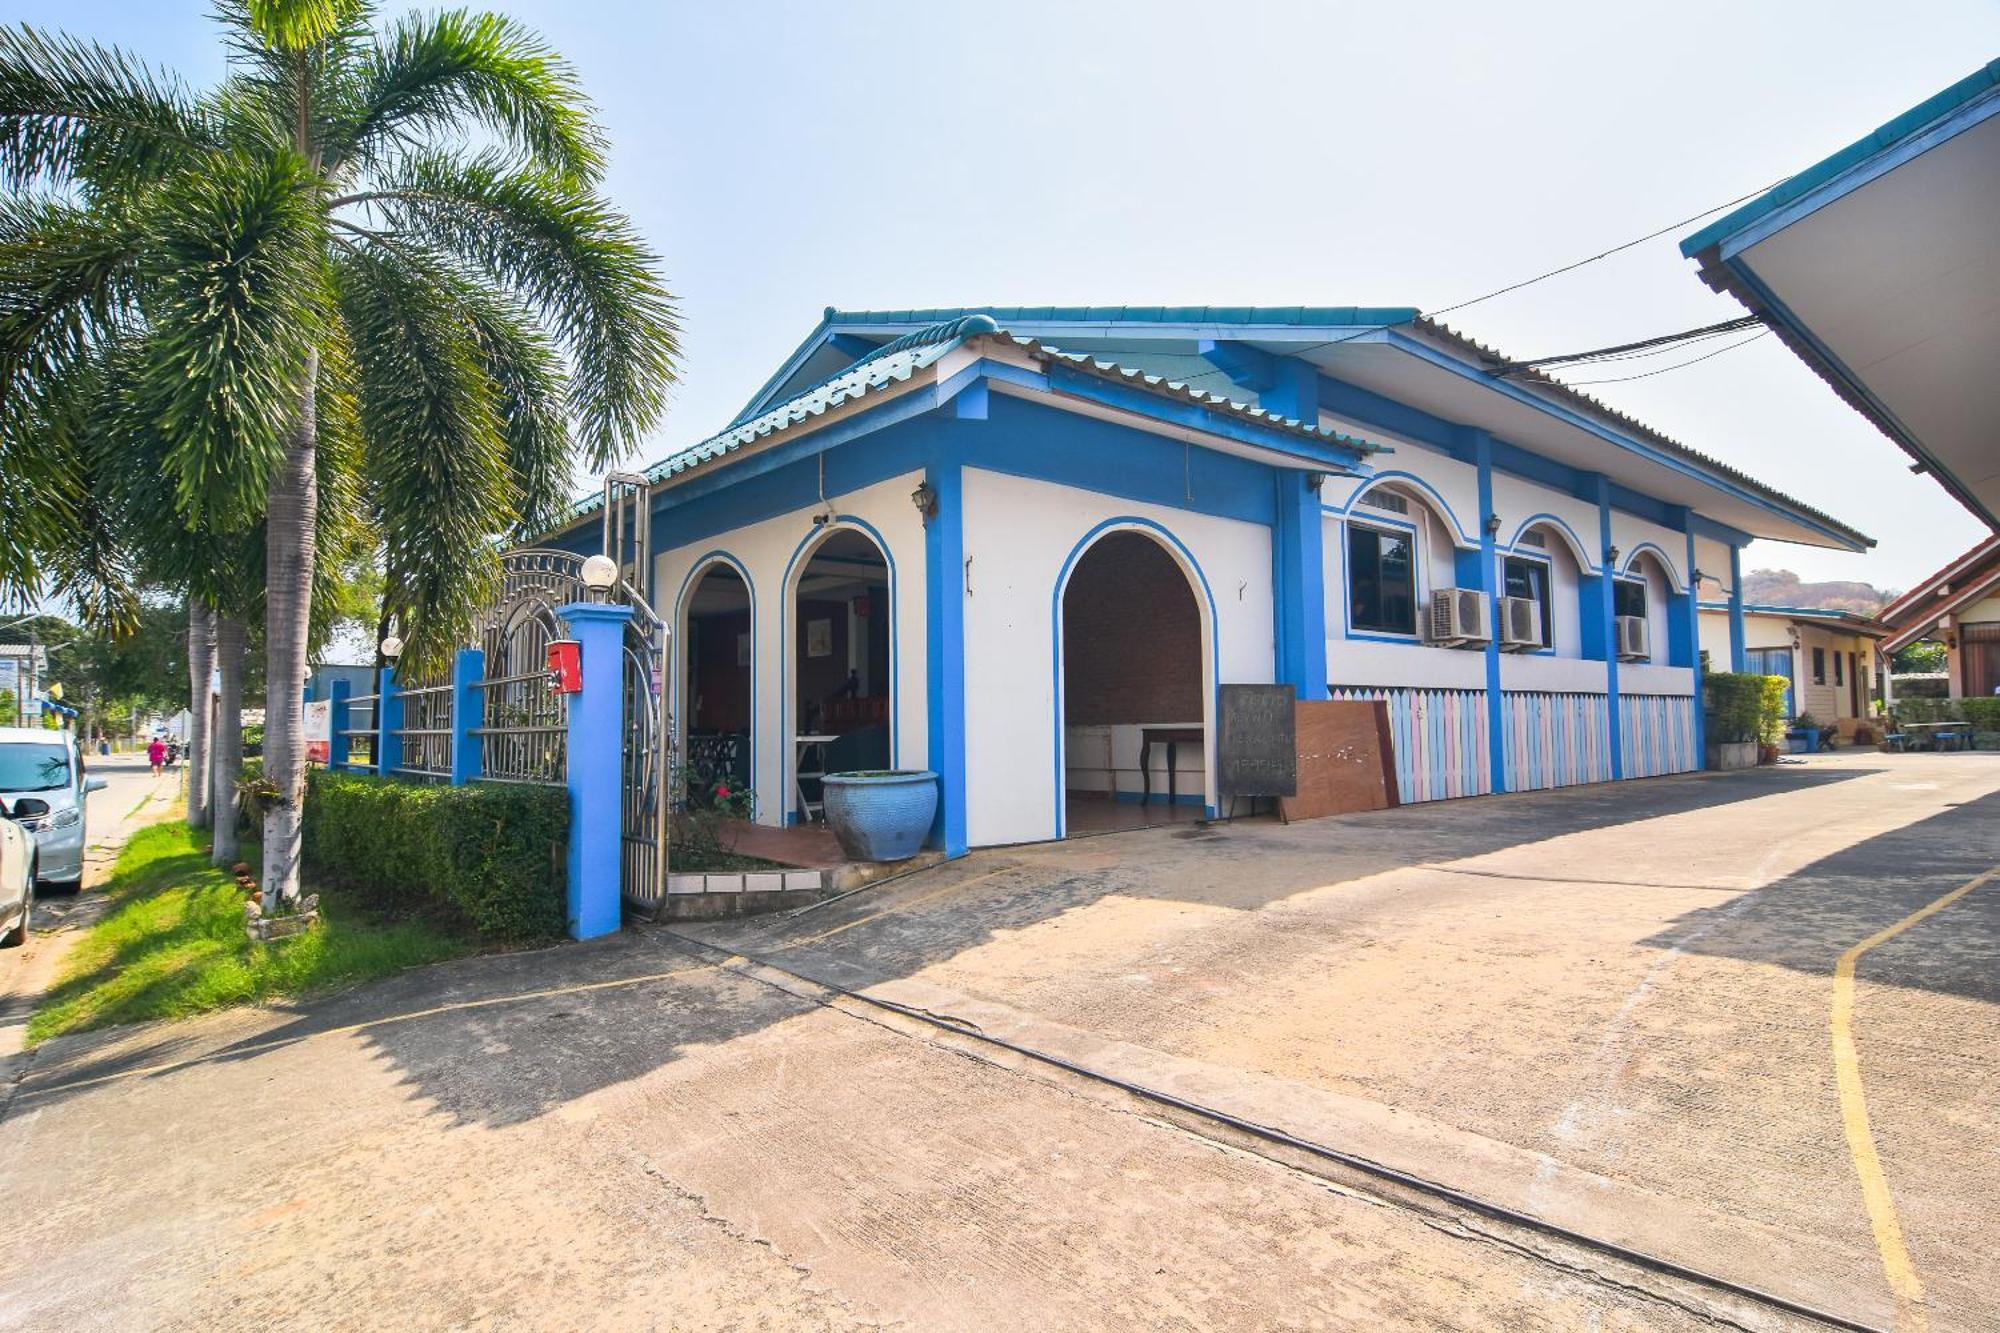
{"x":46,"y":767}
{"x":17,"y":877}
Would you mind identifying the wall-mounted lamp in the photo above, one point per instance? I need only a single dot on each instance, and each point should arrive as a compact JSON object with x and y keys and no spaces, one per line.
{"x":598,"y":574}
{"x":925,"y":498}
{"x":392,"y":648}
{"x":1611,"y":554}
{"x":1315,"y":480}
{"x":1493,"y":525}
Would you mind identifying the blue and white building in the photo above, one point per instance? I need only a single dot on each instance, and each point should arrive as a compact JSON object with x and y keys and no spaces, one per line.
{"x":1009,"y":543}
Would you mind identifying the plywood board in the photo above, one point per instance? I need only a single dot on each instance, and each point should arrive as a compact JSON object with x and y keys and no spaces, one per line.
{"x":1344,"y":760}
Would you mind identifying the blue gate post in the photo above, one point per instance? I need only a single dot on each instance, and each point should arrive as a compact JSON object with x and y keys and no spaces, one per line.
{"x":468,"y":754}
{"x":596,"y":767}
{"x":388,"y":721}
{"x":337,"y":740}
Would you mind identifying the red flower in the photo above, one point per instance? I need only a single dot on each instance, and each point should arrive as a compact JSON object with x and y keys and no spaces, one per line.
{"x":721,"y":792}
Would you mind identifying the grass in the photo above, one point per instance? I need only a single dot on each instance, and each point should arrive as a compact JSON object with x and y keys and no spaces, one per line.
{"x":719,"y":861}
{"x":173,"y":944}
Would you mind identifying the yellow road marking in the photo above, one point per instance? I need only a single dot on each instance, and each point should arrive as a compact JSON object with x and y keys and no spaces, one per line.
{"x":1896,"y":1264}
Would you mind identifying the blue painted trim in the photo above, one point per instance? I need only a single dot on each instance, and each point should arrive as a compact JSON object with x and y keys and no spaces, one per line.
{"x":1577,"y":549}
{"x":1210,"y":668}
{"x":388,"y":722}
{"x":468,"y":754}
{"x":1694,"y":655}
{"x":944,"y":651}
{"x":1607,"y":634}
{"x":1389,"y":521}
{"x":1461,"y":535}
{"x":788,"y":725}
{"x":1932,"y":121}
{"x":1721,"y":532}
{"x":1496,"y":735}
{"x":1739,"y":659}
{"x":1383,"y":636}
{"x":689,"y":582}
{"x":596,"y":769}
{"x":1298,"y":587}
{"x":1685,"y":467}
{"x":338,"y":746}
{"x":790,"y":366}
{"x":1675,"y":582}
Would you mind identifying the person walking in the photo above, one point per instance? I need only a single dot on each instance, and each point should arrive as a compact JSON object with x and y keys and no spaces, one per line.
{"x":156,"y":755}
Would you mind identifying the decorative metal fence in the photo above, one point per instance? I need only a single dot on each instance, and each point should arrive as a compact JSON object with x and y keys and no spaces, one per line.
{"x":523,"y":728}
{"x":420,"y":747}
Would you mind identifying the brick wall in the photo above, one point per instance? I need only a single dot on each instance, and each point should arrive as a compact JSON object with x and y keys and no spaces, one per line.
{"x":1131,"y":636}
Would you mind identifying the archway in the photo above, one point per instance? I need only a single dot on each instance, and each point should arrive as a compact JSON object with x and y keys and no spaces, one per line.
{"x":1134,"y":688}
{"x":718,"y":681}
{"x":840,"y":663}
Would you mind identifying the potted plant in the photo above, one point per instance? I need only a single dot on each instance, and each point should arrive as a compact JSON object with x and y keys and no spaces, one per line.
{"x":1803,"y":735}
{"x":881,"y":815}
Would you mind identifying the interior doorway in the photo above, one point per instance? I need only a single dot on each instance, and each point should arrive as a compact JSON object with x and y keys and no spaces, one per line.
{"x":718,"y":691}
{"x":842,"y":665}
{"x":1134,"y":751}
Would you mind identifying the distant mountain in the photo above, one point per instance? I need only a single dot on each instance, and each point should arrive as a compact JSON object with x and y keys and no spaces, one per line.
{"x":1781,"y":587}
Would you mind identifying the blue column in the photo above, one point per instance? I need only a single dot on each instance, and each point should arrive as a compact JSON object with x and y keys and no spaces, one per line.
{"x":337,"y":724}
{"x":1298,"y":543}
{"x":596,"y":767}
{"x":1488,"y":582}
{"x":1606,"y":632}
{"x":388,"y":721}
{"x":1739,"y":654}
{"x":468,"y":754}
{"x":1298,"y":586}
{"x":1693,"y":621}
{"x":944,"y":650}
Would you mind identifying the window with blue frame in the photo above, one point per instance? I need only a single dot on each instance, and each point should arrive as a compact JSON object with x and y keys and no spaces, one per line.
{"x":1628,"y":598}
{"x":1530,"y":579}
{"x":1381,"y":580}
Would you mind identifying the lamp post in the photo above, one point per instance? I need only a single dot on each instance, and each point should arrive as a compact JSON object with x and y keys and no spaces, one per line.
{"x":599,"y":574}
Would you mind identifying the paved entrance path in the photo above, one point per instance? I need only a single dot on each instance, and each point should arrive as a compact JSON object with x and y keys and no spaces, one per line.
{"x":1609,"y":1006}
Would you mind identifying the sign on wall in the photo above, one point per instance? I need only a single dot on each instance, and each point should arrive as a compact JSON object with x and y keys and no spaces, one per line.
{"x":319,"y":731}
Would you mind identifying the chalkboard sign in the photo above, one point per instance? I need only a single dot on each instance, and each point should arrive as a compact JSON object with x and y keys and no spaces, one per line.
{"x":1256,"y":749}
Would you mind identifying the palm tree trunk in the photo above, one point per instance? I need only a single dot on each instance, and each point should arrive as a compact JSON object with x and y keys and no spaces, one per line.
{"x":201,"y":664}
{"x":226,"y":745}
{"x":288,"y":571}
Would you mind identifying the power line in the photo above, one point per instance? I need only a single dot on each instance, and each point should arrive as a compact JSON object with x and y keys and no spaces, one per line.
{"x":1679,"y":365}
{"x":1662,"y":341}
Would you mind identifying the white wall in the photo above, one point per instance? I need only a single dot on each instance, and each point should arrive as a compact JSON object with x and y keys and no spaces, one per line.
{"x":766,"y":549}
{"x":1018,"y":535}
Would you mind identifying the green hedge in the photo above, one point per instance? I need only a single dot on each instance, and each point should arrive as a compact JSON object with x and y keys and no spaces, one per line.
{"x":1983,"y":714}
{"x":1743,"y":707}
{"x":490,"y":854}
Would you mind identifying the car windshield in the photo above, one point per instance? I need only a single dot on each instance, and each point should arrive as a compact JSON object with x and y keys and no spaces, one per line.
{"x":27,"y":766}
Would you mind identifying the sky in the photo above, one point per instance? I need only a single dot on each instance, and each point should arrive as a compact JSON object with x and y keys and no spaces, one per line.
{"x":785,"y":157}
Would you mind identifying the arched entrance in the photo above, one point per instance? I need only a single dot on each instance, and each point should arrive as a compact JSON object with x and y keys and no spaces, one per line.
{"x":718,"y":681}
{"x":840,"y":662}
{"x":1136,"y":666}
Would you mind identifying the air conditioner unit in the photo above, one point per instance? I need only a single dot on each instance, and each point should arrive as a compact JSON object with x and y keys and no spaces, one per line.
{"x":1458,"y":617}
{"x":1632,"y":644}
{"x":1520,"y":624}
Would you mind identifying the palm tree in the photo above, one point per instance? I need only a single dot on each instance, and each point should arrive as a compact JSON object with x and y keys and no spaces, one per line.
{"x":309,"y":260}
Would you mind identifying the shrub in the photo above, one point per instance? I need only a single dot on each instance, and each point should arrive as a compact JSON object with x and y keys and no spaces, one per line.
{"x":490,"y":854}
{"x":1927,"y":710}
{"x":1744,"y":707}
{"x":1983,"y":714}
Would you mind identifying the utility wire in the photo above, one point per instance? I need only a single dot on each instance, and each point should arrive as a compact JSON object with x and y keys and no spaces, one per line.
{"x":1678,"y":365}
{"x":1606,"y":353}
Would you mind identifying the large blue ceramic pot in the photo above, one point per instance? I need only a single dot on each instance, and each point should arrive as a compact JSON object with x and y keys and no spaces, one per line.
{"x":883,"y":815}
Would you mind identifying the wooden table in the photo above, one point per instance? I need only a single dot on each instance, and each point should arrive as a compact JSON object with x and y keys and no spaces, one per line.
{"x":1939,"y":732}
{"x":1171,"y":737}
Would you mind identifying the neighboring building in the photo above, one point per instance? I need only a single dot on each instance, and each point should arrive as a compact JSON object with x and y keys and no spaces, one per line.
{"x":1014,"y":545}
{"x":1829,"y":656}
{"x":1880,"y":267}
{"x":361,"y":680}
{"x":1958,"y":606}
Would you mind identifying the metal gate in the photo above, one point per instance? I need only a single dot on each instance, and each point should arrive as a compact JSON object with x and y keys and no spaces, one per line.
{"x":524,"y":726}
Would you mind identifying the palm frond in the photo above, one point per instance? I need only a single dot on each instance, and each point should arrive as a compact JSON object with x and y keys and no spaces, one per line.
{"x":437,"y":452}
{"x":578,"y":263}
{"x":434,"y":74}
{"x":527,"y":373}
{"x":77,"y":112}
{"x":235,"y":290}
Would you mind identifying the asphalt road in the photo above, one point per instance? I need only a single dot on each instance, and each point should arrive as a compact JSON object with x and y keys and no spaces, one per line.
{"x":1613,"y":1008}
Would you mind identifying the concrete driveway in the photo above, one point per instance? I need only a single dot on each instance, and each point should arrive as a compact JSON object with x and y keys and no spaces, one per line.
{"x":1609,"y":1008}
